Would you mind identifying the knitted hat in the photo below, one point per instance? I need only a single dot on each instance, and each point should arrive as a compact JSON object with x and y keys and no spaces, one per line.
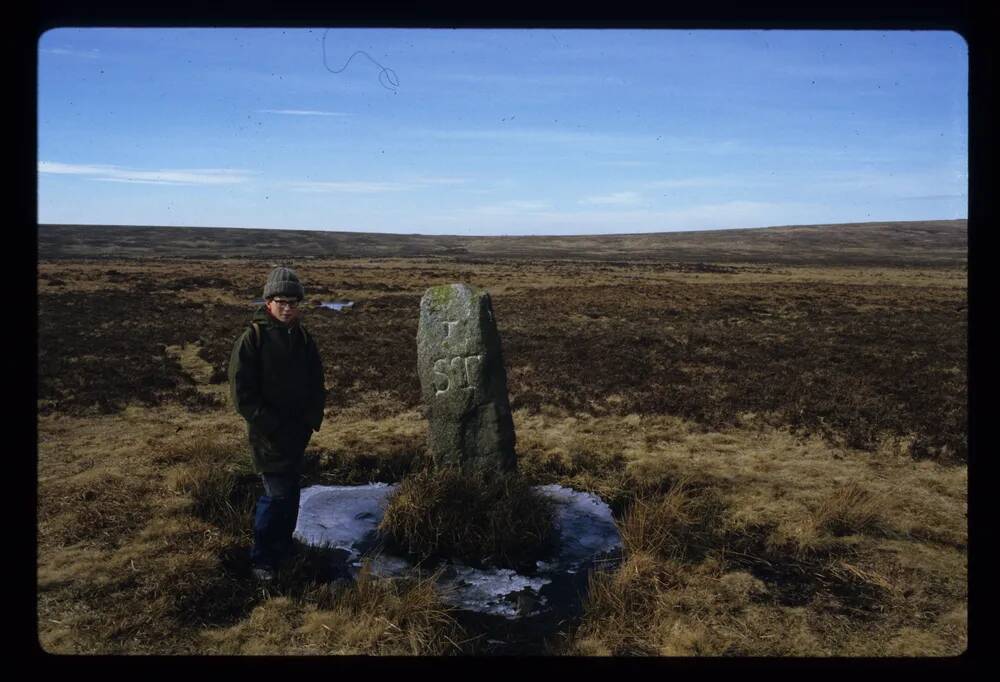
{"x":283,"y":282}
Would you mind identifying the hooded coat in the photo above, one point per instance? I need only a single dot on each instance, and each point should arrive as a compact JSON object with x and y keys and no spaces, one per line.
{"x":276,"y":384}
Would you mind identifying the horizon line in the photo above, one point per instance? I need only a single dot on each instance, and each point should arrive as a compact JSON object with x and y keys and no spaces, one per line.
{"x":503,"y":235}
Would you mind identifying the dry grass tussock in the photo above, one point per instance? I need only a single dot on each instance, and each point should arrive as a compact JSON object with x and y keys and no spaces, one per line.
{"x":223,"y":498}
{"x":386,"y":617}
{"x":219,"y":480}
{"x":497,"y":520}
{"x":851,"y":509}
{"x":684,"y":522}
{"x":374,"y":616}
{"x":697,"y":580}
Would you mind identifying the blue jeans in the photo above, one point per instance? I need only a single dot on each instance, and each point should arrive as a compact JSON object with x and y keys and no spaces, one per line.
{"x":274,"y":520}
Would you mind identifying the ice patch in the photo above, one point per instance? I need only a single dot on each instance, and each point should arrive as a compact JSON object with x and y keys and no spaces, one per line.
{"x":336,"y":305}
{"x":586,"y":526}
{"x":341,"y":516}
{"x":331,"y":305}
{"x":346,"y":517}
{"x":491,"y":591}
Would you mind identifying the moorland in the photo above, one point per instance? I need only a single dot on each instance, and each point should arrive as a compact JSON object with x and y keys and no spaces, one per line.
{"x":777,"y":417}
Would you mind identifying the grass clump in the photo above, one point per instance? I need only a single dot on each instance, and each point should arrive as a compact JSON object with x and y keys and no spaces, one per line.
{"x":220,"y":482}
{"x":380,"y":616}
{"x":373,"y":617}
{"x":850,"y":509}
{"x":477,"y":518}
{"x":682,"y":523}
{"x":623,"y":606}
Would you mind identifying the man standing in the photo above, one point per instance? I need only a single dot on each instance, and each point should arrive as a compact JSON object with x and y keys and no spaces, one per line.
{"x":276,"y":384}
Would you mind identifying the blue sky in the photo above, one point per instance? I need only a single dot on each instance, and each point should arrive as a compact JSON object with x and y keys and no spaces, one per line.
{"x":477,"y":131}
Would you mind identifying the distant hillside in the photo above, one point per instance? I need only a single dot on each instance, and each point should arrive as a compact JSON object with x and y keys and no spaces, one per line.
{"x":917,"y":243}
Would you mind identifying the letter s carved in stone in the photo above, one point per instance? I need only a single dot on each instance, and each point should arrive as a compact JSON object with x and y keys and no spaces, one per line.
{"x":440,"y":377}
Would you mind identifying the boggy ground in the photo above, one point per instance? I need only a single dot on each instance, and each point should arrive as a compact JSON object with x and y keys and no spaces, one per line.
{"x":784,"y":447}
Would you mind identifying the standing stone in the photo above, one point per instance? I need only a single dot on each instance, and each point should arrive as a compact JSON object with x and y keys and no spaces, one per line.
{"x":463,"y":381}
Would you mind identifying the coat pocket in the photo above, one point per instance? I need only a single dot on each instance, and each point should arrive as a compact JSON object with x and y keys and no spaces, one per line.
{"x":300,"y":435}
{"x":266,"y":448}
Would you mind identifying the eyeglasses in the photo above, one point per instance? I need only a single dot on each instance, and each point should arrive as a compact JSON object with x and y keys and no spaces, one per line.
{"x":283,"y":302}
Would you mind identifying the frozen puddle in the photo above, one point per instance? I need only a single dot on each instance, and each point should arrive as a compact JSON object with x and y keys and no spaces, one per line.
{"x":336,"y":305}
{"x":346,"y":517}
{"x":332,"y":305}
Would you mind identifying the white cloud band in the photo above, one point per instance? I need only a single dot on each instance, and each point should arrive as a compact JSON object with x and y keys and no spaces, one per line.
{"x":303,"y":112}
{"x":107,"y":173}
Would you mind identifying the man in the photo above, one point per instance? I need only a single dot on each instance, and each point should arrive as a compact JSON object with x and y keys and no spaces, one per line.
{"x":276,"y":383}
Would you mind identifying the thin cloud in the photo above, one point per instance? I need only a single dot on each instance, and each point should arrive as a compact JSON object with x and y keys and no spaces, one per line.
{"x":613,"y":199}
{"x":349,"y":187}
{"x":438,"y":180}
{"x":373,"y":187}
{"x":895,"y":184}
{"x":682,"y":183}
{"x":555,"y":81}
{"x":107,"y":173}
{"x":512,"y":206}
{"x":852,"y":73}
{"x":137,"y":181}
{"x":936,"y":197}
{"x":606,"y":141}
{"x":72,"y":168}
{"x":627,"y":163}
{"x":694,"y":182}
{"x":535,"y":219}
{"x":66,"y":52}
{"x":535,"y":135}
{"x":302,"y":112}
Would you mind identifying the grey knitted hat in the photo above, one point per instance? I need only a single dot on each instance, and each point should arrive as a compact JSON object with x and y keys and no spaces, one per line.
{"x":283,"y":282}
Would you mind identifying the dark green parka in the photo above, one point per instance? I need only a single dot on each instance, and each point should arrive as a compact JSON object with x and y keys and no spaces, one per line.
{"x":276,"y":384}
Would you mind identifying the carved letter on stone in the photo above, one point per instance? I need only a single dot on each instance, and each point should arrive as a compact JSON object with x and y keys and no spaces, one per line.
{"x":458,"y":373}
{"x":441,"y":381}
{"x":472,"y":367}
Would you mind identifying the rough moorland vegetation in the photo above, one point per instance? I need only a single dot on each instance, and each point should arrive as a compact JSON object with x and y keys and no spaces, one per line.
{"x":783,"y":445}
